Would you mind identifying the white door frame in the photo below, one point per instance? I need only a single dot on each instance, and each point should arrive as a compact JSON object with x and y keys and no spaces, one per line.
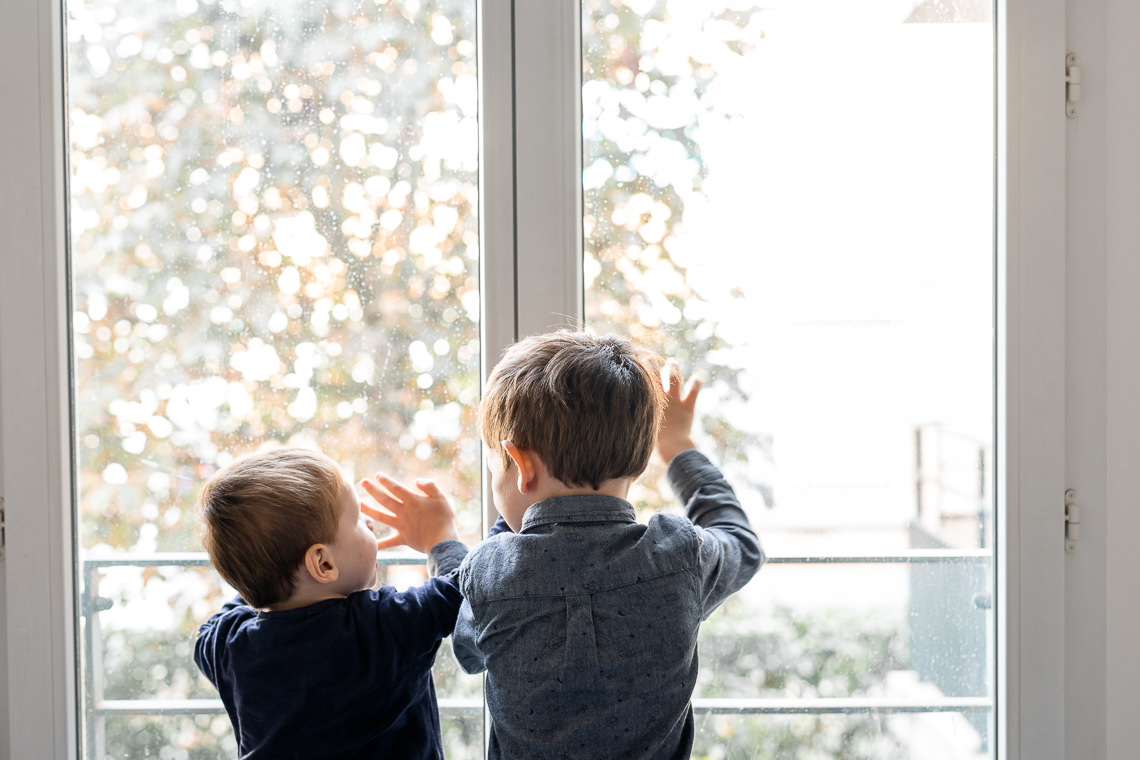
{"x":1031,"y":368}
{"x":37,"y":620}
{"x":38,"y":617}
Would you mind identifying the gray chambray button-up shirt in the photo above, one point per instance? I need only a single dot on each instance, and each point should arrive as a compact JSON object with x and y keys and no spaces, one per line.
{"x":586,"y":621}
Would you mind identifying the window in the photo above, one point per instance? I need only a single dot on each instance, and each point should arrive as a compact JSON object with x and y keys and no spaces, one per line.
{"x":39,"y":584}
{"x":818,"y":244}
{"x":274,"y":238}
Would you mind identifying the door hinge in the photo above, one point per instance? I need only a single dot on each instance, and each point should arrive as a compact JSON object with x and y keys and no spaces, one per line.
{"x":1072,"y":86}
{"x":1072,"y":521}
{"x":2,"y":537}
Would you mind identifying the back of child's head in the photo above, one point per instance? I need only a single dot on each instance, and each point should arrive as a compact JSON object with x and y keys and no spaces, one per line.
{"x":262,"y":513}
{"x":589,"y":406}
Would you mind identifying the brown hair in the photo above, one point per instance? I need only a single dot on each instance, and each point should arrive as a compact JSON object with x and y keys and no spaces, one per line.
{"x":263,"y":512}
{"x":589,"y":406}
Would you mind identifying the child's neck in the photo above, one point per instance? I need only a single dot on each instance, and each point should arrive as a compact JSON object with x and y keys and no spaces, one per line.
{"x":552,"y":488}
{"x":305,"y":592}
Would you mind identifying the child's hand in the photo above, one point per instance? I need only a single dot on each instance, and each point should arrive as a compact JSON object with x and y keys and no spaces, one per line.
{"x":421,"y":520}
{"x":674,"y":435}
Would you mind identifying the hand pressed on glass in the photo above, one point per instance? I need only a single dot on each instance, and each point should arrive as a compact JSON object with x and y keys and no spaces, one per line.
{"x":420,"y":518}
{"x":675,"y":434}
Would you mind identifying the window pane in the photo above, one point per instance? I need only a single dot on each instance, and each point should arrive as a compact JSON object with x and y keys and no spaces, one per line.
{"x":147,"y":736}
{"x":273,"y":238}
{"x":795,"y":199}
{"x":850,"y":737}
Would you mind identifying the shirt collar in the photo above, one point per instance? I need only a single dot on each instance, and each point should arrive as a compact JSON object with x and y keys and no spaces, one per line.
{"x":578,"y":509}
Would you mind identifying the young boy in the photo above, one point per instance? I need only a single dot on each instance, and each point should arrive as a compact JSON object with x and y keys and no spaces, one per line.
{"x":586,"y":621}
{"x":309,"y":662}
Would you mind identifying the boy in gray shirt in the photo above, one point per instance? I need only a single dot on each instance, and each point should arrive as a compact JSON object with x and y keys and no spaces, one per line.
{"x":585,"y":620}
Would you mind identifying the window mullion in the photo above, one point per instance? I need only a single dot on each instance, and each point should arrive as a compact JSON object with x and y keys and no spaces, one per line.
{"x":529,"y":172}
{"x":496,"y":178}
{"x":548,"y":150}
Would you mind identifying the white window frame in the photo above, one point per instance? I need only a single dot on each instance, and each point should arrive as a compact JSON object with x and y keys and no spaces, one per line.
{"x":1030,"y":719}
{"x":531,"y":153}
{"x":531,"y":281}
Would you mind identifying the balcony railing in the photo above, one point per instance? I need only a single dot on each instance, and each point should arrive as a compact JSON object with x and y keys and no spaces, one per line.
{"x":97,"y":709}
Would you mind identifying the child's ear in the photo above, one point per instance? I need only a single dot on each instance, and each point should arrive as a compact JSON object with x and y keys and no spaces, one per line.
{"x":526,"y":463}
{"x":320,"y":565}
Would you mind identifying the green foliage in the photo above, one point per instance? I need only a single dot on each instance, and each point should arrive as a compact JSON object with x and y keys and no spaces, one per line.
{"x":795,"y":737}
{"x":832,"y":654}
{"x":804,"y":655}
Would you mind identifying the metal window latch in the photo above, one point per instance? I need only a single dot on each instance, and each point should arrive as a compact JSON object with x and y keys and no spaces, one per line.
{"x":1072,"y":521}
{"x":1072,"y":86}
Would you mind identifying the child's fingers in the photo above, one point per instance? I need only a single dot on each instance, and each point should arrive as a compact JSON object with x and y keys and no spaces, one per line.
{"x":389,"y":541}
{"x":396,"y":488}
{"x":429,"y":488}
{"x":691,"y":392}
{"x":671,"y":378}
{"x":377,"y":514}
{"x":391,"y":520}
{"x":380,"y":494}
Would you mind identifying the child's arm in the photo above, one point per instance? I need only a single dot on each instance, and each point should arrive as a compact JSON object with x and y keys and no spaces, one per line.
{"x":500,"y":526}
{"x":423,"y":520}
{"x":730,"y":552}
{"x":420,"y":520}
{"x":422,"y":616}
{"x":464,"y":642}
{"x":206,"y":646}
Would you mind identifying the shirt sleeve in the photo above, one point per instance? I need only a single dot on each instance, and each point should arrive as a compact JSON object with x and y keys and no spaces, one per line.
{"x":424,"y":615}
{"x":730,"y":552}
{"x":445,"y":557}
{"x":463,"y":641}
{"x":500,"y":526}
{"x":206,"y":647}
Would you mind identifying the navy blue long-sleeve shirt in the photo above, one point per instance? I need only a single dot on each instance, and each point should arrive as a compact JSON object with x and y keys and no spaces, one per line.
{"x":347,"y":678}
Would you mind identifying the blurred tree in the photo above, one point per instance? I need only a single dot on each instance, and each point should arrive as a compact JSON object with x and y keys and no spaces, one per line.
{"x":647,"y":89}
{"x":274,"y":238}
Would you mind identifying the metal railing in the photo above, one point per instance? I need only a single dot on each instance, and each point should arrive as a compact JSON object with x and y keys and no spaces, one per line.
{"x":97,"y":709}
{"x":937,"y":450}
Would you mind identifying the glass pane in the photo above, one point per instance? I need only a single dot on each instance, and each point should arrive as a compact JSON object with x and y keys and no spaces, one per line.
{"x":462,"y":734}
{"x":795,"y":199}
{"x":937,"y":736}
{"x":190,"y":737}
{"x":274,"y":238}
